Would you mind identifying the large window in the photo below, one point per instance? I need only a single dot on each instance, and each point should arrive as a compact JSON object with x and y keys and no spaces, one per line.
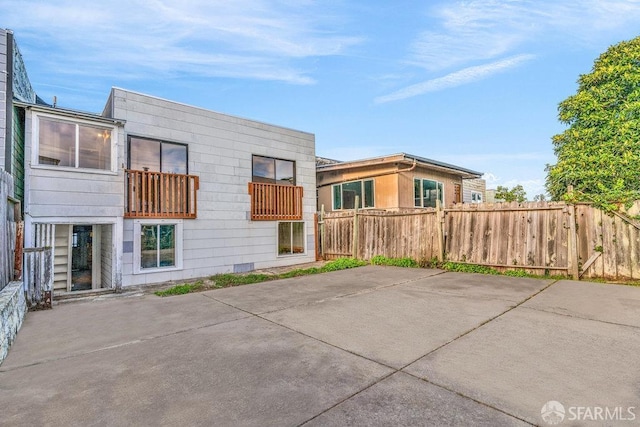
{"x":273,"y":171}
{"x":157,"y":156}
{"x":290,"y":238}
{"x":344,"y":195}
{"x":74,"y":145}
{"x":427,"y":191}
{"x":157,"y":245}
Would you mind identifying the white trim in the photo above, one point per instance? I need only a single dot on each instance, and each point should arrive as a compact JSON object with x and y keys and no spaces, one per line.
{"x":304,"y":240}
{"x":362,"y":181}
{"x":35,"y":146}
{"x":137,"y":229}
{"x":422,"y":179}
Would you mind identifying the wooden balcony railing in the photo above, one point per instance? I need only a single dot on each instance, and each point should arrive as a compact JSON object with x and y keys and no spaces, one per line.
{"x":273,"y":202}
{"x":160,"y":195}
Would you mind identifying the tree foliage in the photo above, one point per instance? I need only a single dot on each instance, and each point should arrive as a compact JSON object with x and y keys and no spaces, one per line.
{"x":515,"y":194}
{"x":599,"y":153}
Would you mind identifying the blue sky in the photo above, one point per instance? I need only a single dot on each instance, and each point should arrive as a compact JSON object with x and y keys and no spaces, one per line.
{"x":473,"y":83}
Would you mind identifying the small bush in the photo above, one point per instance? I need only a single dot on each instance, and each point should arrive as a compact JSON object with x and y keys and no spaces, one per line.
{"x":395,"y":262}
{"x":342,"y":264}
{"x":468,"y":268}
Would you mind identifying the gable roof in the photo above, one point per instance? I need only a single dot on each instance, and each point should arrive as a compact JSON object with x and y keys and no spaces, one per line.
{"x":404,"y":158}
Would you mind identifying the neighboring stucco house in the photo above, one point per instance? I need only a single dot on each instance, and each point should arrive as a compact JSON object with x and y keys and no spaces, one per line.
{"x":152,"y":190}
{"x":397,"y":181}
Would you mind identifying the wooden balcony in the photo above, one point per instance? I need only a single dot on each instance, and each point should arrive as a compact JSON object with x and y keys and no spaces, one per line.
{"x":160,"y":195}
{"x":274,"y":202}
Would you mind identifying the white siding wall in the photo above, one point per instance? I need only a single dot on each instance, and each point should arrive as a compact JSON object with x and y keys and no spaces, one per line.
{"x":55,"y":192}
{"x":477,"y":185}
{"x":220,"y":150}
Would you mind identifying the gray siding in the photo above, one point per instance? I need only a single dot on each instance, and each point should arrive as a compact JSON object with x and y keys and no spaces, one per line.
{"x":469,"y":185}
{"x":220,"y":150}
{"x":53,"y":192}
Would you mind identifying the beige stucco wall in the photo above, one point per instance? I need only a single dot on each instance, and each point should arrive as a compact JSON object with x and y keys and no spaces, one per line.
{"x":393,"y":184}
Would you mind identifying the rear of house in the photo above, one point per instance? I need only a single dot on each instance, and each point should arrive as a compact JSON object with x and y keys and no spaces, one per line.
{"x":153,"y":190}
{"x":394,"y":182}
{"x":208,"y":193}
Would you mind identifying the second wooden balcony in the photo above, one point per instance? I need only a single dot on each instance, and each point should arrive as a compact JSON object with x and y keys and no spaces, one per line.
{"x":275,"y":202}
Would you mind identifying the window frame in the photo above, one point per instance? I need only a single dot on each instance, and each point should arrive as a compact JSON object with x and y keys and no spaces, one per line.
{"x":77,"y":122}
{"x":421,"y":179}
{"x":137,"y":245}
{"x":304,"y":239}
{"x":480,"y":199}
{"x":273,"y":180}
{"x":160,"y":141}
{"x":362,"y":191}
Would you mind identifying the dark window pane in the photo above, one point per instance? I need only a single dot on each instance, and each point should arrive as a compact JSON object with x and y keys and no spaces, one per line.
{"x":174,"y":158}
{"x":337,"y":197}
{"x":284,"y":172}
{"x":349,"y":192}
{"x":368,"y":194}
{"x":57,"y":143}
{"x":167,"y":246}
{"x":95,"y":147}
{"x":298,"y":238}
{"x":417,"y":192}
{"x":263,"y":169}
{"x":284,"y":238}
{"x":149,"y":246}
{"x":144,"y":155}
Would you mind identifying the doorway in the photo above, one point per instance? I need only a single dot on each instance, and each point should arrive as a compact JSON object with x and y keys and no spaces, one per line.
{"x":81,"y":257}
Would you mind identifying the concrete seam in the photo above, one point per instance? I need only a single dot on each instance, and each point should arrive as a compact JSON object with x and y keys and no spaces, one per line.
{"x":573,"y":316}
{"x":124,"y":344}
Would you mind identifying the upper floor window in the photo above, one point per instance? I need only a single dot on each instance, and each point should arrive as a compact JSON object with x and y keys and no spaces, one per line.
{"x":74,"y":145}
{"x":157,"y":156}
{"x":426,"y":192}
{"x":344,"y":195}
{"x":273,"y":171}
{"x":476,"y":197}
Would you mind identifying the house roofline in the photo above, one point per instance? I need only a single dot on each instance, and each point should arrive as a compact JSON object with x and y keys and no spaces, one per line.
{"x":68,"y":113}
{"x":208,"y":110}
{"x":402,"y":158}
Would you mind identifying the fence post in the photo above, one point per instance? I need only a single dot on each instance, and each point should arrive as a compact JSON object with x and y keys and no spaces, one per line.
{"x":322,"y":241}
{"x":355,"y":228}
{"x":440,"y":227}
{"x":573,"y":244}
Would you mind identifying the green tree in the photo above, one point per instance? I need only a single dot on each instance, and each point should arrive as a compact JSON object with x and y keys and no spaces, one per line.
{"x":598,"y":155}
{"x":540,"y":198}
{"x":516,"y":194}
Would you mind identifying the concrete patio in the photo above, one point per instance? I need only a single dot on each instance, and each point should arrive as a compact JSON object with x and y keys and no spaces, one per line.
{"x":367,"y":346}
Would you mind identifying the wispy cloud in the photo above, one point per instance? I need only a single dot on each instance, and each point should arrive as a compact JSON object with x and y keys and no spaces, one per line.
{"x":477,"y":30}
{"x":257,"y":39}
{"x":469,"y":32}
{"x":464,"y":76}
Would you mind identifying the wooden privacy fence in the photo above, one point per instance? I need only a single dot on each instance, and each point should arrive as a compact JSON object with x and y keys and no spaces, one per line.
{"x":38,"y":277}
{"x":541,"y":238}
{"x":10,"y":232}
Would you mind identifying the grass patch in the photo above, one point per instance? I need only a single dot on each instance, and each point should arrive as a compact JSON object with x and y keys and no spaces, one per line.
{"x":181,"y":289}
{"x":395,"y":262}
{"x":227,"y":280}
